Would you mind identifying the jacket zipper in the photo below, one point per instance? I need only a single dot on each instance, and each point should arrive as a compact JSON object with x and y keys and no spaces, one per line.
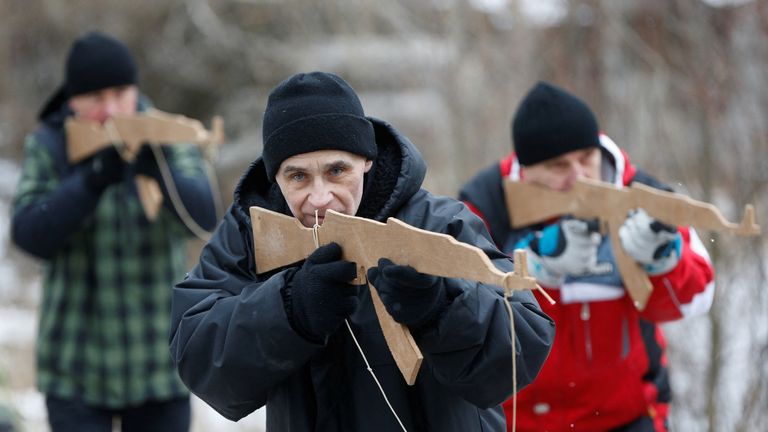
{"x":585,"y":315}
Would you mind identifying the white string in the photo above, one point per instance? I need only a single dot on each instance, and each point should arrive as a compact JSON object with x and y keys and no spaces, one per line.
{"x":368,"y":366}
{"x":315,"y":235}
{"x":316,"y":238}
{"x":114,"y":135}
{"x":114,"y":138}
{"x":173,"y":193}
{"x":514,"y":363}
{"x":165,"y":173}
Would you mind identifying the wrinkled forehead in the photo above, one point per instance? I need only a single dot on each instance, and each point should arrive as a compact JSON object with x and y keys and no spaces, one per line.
{"x":320,"y":158}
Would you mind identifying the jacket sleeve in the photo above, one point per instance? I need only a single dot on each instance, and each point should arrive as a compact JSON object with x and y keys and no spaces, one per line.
{"x":47,"y":208}
{"x":687,"y":289}
{"x":469,"y":349}
{"x":484,"y":195}
{"x":230,"y":337}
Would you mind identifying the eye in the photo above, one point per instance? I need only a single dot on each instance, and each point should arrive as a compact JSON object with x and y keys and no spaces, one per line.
{"x":592,"y":155}
{"x":298,"y":176}
{"x":92,"y":97}
{"x":558,"y":165}
{"x":337,"y":170}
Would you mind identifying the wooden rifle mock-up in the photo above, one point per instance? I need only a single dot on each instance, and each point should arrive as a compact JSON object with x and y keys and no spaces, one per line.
{"x":529,"y":204}
{"x":281,"y":240}
{"x":129,"y":133}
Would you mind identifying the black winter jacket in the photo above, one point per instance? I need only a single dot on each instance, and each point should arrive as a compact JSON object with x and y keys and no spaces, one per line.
{"x":235,"y":348}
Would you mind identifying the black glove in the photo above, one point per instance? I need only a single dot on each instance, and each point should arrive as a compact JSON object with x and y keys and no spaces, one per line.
{"x":412,"y":298}
{"x":320,"y":295}
{"x":145,"y":163}
{"x":102,"y":169}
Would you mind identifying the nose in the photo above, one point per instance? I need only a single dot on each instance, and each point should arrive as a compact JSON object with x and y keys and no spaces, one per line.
{"x":109,"y":107}
{"x":575,"y":172}
{"x":320,"y":196}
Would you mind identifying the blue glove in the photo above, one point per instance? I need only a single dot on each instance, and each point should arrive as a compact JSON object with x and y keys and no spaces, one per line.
{"x":319,"y":296}
{"x":565,"y":248}
{"x":103,"y":169}
{"x":413,"y":299}
{"x":655,"y":245}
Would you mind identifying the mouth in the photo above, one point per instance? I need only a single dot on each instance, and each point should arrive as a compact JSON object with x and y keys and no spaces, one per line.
{"x":310,"y":218}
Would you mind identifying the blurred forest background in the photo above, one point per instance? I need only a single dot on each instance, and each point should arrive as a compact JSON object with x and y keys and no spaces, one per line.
{"x":682,"y":85}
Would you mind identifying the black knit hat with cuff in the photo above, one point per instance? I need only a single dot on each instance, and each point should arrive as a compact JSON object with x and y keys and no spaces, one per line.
{"x":550,"y":122}
{"x":95,"y":61}
{"x":311,"y":112}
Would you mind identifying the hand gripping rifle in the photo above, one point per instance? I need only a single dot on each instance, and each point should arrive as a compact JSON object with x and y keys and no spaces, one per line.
{"x":129,"y":133}
{"x":281,"y":240}
{"x":589,"y":199}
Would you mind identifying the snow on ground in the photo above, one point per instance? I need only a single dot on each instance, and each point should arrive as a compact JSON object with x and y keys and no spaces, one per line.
{"x":17,"y":335}
{"x":206,"y":419}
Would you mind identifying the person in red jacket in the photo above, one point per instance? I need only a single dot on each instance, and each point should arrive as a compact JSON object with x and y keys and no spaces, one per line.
{"x":607,"y":370}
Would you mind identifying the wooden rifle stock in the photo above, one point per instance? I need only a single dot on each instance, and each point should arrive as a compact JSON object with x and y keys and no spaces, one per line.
{"x":129,"y":133}
{"x":281,"y":240}
{"x":528,"y":204}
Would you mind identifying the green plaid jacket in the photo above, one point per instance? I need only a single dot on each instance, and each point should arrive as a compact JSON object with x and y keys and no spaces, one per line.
{"x":105,"y":313}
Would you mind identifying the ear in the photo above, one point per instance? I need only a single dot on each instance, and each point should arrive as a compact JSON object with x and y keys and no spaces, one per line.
{"x":368,"y":165}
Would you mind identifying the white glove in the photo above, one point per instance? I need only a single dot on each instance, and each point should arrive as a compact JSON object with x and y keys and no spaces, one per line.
{"x":655,"y":245}
{"x":568,"y":247}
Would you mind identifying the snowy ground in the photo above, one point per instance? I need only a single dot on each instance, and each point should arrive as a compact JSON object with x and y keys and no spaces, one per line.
{"x":17,"y":333}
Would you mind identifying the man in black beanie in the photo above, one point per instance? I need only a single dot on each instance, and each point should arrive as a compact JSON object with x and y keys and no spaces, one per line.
{"x":101,"y":346}
{"x":607,"y":369}
{"x":243,"y":340}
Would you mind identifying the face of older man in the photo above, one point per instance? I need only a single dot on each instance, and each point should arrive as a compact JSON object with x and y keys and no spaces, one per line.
{"x":102,"y":104}
{"x":322,"y":180}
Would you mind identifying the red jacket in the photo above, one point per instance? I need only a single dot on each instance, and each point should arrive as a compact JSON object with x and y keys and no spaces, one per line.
{"x":607,"y":367}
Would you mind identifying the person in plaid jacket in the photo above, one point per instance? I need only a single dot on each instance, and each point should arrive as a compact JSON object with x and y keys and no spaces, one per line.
{"x":102,"y":345}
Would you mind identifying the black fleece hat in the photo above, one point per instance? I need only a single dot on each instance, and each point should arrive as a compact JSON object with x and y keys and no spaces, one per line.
{"x":311,"y":112}
{"x":97,"y":61}
{"x":550,"y":122}
{"x":94,"y":62}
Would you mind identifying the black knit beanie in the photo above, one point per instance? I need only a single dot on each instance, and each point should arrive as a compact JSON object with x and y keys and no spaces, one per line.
{"x":550,"y":122}
{"x":94,"y":62}
{"x":97,"y":61}
{"x":311,"y":112}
